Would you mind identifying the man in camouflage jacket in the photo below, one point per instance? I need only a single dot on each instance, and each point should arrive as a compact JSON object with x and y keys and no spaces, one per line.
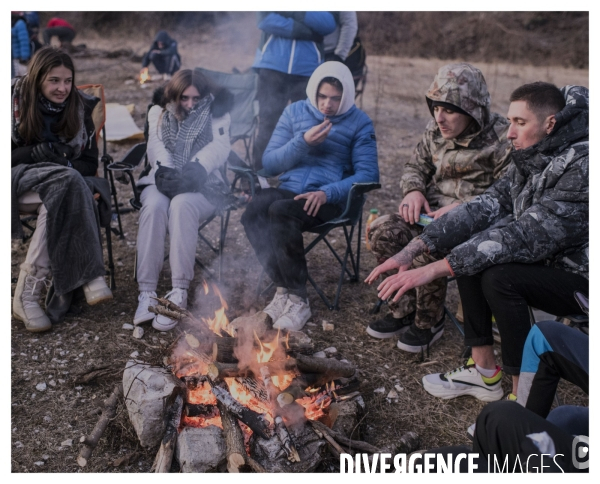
{"x":524,"y":242}
{"x":463,"y":151}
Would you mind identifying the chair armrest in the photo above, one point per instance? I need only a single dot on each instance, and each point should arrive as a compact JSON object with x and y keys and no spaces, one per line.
{"x":131,"y":159}
{"x":357,"y":190}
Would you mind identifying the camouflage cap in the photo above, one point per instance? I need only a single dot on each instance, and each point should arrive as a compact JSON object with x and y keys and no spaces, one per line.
{"x":462,"y":85}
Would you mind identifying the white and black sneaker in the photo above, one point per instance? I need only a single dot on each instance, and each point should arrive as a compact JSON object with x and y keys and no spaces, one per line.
{"x":277,"y":305}
{"x":145,"y":299}
{"x":416,"y":340}
{"x":389,"y":326}
{"x":177,"y":296}
{"x":295,"y":314}
{"x":465,"y":380}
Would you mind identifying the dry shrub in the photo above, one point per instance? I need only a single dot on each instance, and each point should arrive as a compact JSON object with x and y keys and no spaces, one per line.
{"x":537,"y":38}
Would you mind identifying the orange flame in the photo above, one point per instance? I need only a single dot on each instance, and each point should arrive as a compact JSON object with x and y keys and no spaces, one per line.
{"x":220,"y":322}
{"x":266,"y":349}
{"x":144,"y":76}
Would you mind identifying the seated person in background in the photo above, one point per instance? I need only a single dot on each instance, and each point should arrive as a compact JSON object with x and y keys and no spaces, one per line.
{"x":163,"y":54}
{"x":53,"y":147}
{"x":504,"y":431}
{"x":62,"y":29}
{"x":524,"y":242}
{"x":320,"y":146}
{"x":188,"y":143}
{"x":462,"y":152}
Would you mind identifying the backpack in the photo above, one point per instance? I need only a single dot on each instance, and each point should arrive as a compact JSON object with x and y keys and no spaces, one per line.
{"x":356,"y":57}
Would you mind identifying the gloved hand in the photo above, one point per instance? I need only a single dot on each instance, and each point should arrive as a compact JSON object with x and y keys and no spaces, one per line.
{"x":44,"y":152}
{"x":168,"y":181}
{"x":194,"y":176}
{"x":63,"y":150}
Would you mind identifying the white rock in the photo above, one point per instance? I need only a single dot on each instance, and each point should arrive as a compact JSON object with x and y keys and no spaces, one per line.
{"x":79,"y":388}
{"x":398,"y":388}
{"x":135,"y":354}
{"x":127,"y":326}
{"x":147,"y":388}
{"x":310,"y":324}
{"x":45,"y":457}
{"x":320,"y":354}
{"x":39,"y":463}
{"x":19,"y":445}
{"x":61,"y":381}
{"x":67,"y":443}
{"x":47,"y":418}
{"x":386,"y":367}
{"x":379,"y":390}
{"x":330,"y":351}
{"x":392,"y":394}
{"x":138,"y":332}
{"x":40,"y":387}
{"x":200,"y":449}
{"x":328,"y":326}
{"x":52,"y":383}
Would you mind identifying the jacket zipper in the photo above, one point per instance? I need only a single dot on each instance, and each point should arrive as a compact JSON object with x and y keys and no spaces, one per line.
{"x":266,"y":43}
{"x":292,"y":57}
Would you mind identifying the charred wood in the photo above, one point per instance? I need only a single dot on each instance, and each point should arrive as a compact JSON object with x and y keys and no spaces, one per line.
{"x":342,"y":439}
{"x":91,"y":441}
{"x":164,"y":457}
{"x":200,"y":410}
{"x":234,"y":439}
{"x":328,"y":366}
{"x":252,"y":419}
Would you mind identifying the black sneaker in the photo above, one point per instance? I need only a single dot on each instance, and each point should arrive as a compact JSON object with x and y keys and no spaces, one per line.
{"x":389,"y":326}
{"x":416,"y":340}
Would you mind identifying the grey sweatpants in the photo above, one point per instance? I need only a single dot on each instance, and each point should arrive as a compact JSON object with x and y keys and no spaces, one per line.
{"x":181,"y":216}
{"x":37,"y":255}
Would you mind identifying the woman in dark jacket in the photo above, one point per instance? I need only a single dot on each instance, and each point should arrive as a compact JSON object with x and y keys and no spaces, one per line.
{"x":163,"y":54}
{"x":53,"y":146}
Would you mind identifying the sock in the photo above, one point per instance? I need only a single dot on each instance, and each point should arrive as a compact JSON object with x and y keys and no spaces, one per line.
{"x":485,"y":372}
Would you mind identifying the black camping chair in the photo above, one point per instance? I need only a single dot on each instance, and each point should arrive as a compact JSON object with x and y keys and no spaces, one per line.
{"x":350,"y":221}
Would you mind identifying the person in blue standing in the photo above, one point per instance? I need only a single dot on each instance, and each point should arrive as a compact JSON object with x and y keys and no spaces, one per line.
{"x":320,"y":147}
{"x":290,"y":49}
{"x":20,"y":45}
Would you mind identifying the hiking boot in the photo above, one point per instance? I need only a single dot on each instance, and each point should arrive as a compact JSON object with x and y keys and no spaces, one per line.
{"x":277,"y":305}
{"x":389,"y":326}
{"x":416,"y":340}
{"x":295,"y":314}
{"x":177,"y":296}
{"x":142,"y":314}
{"x":26,"y":301}
{"x":96,"y":291}
{"x":465,"y":380}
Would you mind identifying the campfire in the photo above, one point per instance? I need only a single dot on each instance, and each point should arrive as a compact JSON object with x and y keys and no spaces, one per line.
{"x":144,"y":76}
{"x":262,"y":389}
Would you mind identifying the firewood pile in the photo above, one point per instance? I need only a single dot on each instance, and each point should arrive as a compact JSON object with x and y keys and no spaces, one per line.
{"x":243,"y":397}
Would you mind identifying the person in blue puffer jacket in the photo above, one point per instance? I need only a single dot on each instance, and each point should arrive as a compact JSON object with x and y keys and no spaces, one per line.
{"x":320,"y":147}
{"x":290,"y":49}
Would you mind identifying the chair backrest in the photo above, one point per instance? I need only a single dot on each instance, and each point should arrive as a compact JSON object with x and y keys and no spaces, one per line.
{"x":245,"y":108}
{"x":99,"y":112}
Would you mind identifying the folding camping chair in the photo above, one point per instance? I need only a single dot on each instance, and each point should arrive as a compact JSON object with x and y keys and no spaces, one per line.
{"x":350,"y":218}
{"x":90,"y":91}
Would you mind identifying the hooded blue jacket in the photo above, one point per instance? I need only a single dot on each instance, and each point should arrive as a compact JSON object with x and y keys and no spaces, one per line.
{"x":292,"y":42}
{"x":348,"y":155}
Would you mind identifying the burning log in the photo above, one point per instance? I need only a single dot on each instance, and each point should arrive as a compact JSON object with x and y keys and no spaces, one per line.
{"x":223,"y":349}
{"x":254,"y":386}
{"x":280,"y":428}
{"x":234,"y":439}
{"x":330,"y":367}
{"x":257,"y":422}
{"x":200,"y":410}
{"x":164,"y":457}
{"x":232,"y":370}
{"x":91,"y":441}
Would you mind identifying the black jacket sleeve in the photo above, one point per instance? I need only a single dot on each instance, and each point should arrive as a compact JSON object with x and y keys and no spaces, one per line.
{"x":21,"y":155}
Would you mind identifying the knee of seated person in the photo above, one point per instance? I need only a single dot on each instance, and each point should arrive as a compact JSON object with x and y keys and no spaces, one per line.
{"x":497,"y":413}
{"x":497,"y":277}
{"x":281,"y":208}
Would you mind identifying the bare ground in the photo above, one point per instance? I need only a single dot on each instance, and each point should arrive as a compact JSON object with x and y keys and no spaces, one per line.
{"x":46,"y":425}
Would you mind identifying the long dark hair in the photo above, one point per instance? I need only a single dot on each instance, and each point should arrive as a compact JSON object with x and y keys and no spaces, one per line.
{"x":32,"y":123}
{"x":181,"y":81}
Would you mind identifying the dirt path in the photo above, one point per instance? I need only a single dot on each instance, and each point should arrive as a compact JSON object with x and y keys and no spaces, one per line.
{"x":47,"y":423}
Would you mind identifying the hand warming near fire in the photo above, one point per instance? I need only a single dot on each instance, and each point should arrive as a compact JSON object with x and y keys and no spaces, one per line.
{"x":316,"y":167}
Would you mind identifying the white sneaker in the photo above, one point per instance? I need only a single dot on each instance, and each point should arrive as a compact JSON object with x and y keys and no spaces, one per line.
{"x":96,"y":291}
{"x":295,"y":314}
{"x":277,"y":305}
{"x":142,"y":314}
{"x":465,"y":380}
{"x":177,"y":296}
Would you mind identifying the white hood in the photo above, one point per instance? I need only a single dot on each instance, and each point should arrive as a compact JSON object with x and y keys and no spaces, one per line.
{"x":340,"y":72}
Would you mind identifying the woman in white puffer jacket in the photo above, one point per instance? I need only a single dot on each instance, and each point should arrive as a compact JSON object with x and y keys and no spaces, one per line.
{"x":188,"y":142}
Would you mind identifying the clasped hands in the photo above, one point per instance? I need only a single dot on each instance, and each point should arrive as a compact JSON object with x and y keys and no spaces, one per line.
{"x":171,"y":182}
{"x":59,"y":153}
